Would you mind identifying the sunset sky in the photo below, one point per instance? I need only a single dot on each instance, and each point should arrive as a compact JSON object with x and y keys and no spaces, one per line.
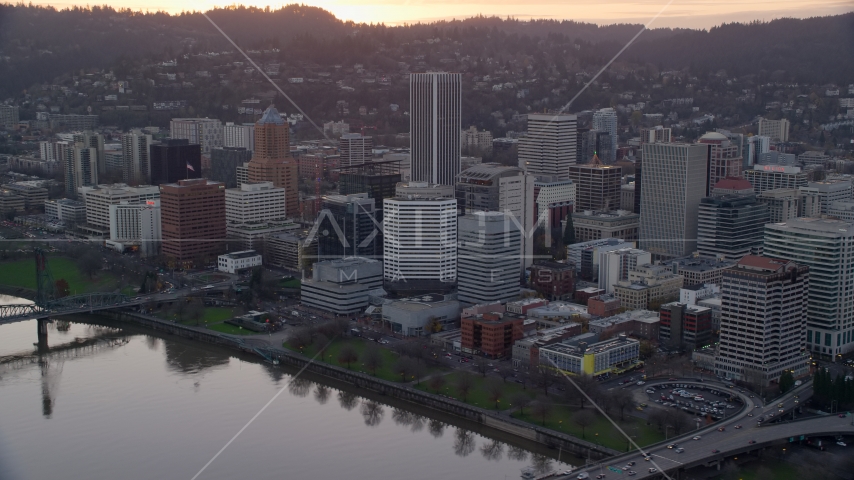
{"x":681,"y":13}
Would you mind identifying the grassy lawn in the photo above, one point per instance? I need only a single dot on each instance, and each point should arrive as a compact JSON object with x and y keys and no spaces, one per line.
{"x":561,"y":420}
{"x":22,"y":273}
{"x":230,"y":329}
{"x":290,"y":283}
{"x":779,"y":470}
{"x":211,"y":316}
{"x":385,"y":372}
{"x":478,"y":396}
{"x":129,"y":290}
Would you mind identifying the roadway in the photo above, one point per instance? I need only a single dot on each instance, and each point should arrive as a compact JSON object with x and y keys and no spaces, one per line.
{"x":715,"y":445}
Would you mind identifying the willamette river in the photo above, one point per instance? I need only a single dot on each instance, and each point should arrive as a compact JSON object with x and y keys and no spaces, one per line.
{"x":113,"y":402}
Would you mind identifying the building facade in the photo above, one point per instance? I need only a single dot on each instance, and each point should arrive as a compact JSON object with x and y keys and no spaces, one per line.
{"x":434,"y":126}
{"x":731,"y":225}
{"x":549,"y":146}
{"x":597,"y":187}
{"x":224,"y":164}
{"x":488,"y":268}
{"x":193,"y":219}
{"x":764,"y":320}
{"x":355,"y":149}
{"x":136,"y":160}
{"x":175,"y":160}
{"x":205,"y":132}
{"x":272,"y":161}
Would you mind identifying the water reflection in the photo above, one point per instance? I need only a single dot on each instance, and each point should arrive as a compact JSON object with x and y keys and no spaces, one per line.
{"x":436,"y":428}
{"x":299,"y":387}
{"x":348,"y":400}
{"x":153,"y":343}
{"x":373,"y":413}
{"x":516,"y":453}
{"x":191,"y":359}
{"x":321,"y":393}
{"x":464,"y":442}
{"x":541,"y":463}
{"x":493,"y":450}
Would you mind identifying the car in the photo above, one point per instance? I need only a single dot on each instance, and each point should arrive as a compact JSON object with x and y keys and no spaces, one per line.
{"x":626,"y":467}
{"x":671,"y":446}
{"x":737,"y":427}
{"x":639,"y":409}
{"x":749,"y":414}
{"x":697,"y":437}
{"x":679,"y":450}
{"x":721,"y":429}
{"x":841,"y":415}
{"x":779,"y":405}
{"x":841,"y":443}
{"x":752,"y":442}
{"x":600,"y":476}
{"x":640,"y":382}
{"x":647,"y":458}
{"x":653,"y":470}
{"x":632,"y":473}
{"x":583,"y":476}
{"x":643,"y":405}
{"x":716,"y":451}
{"x":631,"y":464}
{"x":780,"y":410}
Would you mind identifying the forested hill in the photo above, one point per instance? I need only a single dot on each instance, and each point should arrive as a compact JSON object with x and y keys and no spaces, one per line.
{"x":40,"y":43}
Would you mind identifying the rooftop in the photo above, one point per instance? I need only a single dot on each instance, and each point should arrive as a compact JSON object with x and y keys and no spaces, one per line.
{"x":701,"y":264}
{"x":242,"y":254}
{"x":820,"y":225}
{"x":767,"y":264}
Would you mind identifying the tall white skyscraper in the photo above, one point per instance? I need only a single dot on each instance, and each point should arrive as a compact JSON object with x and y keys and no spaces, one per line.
{"x":826,"y":246}
{"x":675,"y":177}
{"x":763,"y":320}
{"x":207,"y":132}
{"x":488,"y":268}
{"x":549,"y":146}
{"x":355,"y":149}
{"x":435,"y":126}
{"x":605,"y":120}
{"x":420,"y":241}
{"x":81,"y":168}
{"x":240,"y":136}
{"x":776,"y":130}
{"x":136,"y":163}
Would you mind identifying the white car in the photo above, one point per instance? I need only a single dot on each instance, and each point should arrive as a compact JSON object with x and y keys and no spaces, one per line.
{"x":697,"y":437}
{"x":841,"y":444}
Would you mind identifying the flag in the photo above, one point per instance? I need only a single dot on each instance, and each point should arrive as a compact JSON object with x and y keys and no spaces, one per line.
{"x":190,"y":167}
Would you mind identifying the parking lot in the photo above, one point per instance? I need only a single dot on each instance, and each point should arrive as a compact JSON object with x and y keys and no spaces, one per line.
{"x":699,"y":401}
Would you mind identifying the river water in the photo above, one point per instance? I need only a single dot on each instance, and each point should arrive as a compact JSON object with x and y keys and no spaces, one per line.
{"x":114,"y":401}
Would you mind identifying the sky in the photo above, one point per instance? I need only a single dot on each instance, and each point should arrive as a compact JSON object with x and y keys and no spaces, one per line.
{"x":678,"y":13}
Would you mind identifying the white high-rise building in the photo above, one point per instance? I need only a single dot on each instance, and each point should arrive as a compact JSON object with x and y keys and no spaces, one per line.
{"x":254,"y":202}
{"x":434,"y":126}
{"x":488,"y":268}
{"x":239,"y":136}
{"x":830,"y":302}
{"x":675,"y":178}
{"x":756,"y":146}
{"x":81,"y":167}
{"x":136,"y":160}
{"x":206,"y":132}
{"x":829,"y":192}
{"x":615,"y":265}
{"x":355,"y":149}
{"x":137,"y":223}
{"x":98,"y":199}
{"x":763,"y":320}
{"x":420,"y":242}
{"x":549,"y":147}
{"x":605,"y":120}
{"x":776,"y":130}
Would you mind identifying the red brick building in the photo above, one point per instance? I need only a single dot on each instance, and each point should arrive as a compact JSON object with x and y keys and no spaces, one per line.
{"x":603,"y":305}
{"x":553,"y":280}
{"x":192,"y":218}
{"x":491,"y":334}
{"x":583,"y":295}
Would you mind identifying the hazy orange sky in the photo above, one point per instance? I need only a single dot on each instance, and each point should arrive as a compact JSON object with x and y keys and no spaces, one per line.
{"x":681,"y":13}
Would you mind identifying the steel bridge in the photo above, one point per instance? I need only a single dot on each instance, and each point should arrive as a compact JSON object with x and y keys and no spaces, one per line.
{"x":48,"y":304}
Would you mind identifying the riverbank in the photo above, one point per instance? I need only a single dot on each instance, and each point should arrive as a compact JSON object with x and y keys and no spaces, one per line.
{"x":276,"y":355}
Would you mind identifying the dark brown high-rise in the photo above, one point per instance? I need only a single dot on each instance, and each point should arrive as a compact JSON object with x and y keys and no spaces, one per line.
{"x":272,"y":161}
{"x":192,"y":217}
{"x":597,"y":186}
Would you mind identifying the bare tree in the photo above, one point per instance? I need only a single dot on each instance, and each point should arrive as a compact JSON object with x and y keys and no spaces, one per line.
{"x":659,"y":418}
{"x":419,"y":369}
{"x":436,"y":382}
{"x":372,"y":359}
{"x":505,"y":371}
{"x":195,"y":310}
{"x":680,"y":422}
{"x":542,"y":407}
{"x":404,"y":367}
{"x":583,"y":418}
{"x":89,"y":264}
{"x":347,"y":355}
{"x":494,"y":391}
{"x":464,"y":383}
{"x":544,"y":378}
{"x":481,"y":364}
{"x":521,"y":400}
{"x":622,"y":400}
{"x":322,"y":343}
{"x":300,"y":338}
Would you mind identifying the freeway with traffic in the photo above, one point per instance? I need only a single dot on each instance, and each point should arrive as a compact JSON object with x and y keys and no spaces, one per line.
{"x":731,"y":436}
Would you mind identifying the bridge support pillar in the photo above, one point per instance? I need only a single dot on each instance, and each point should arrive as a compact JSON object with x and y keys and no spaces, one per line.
{"x":42,"y":333}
